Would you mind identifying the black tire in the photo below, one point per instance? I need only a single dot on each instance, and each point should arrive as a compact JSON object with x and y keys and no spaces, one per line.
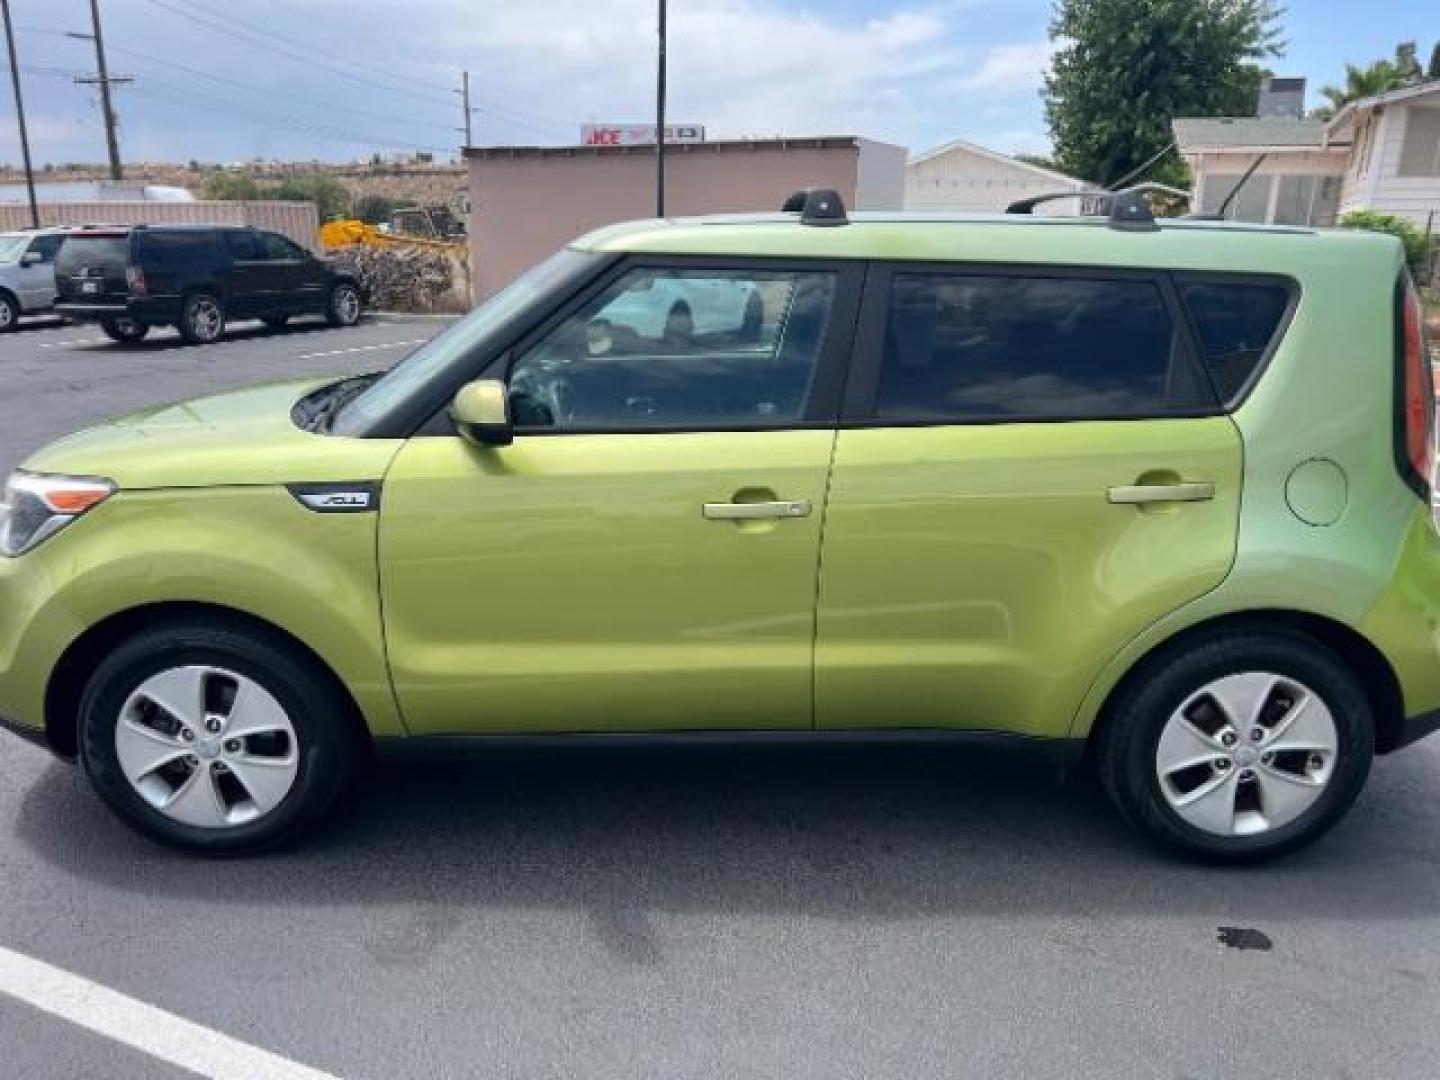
{"x":276,"y":322}
{"x":202,"y":319}
{"x":9,"y":313}
{"x":343,"y":306}
{"x":126,"y":331}
{"x":1128,"y":742}
{"x":325,"y":738}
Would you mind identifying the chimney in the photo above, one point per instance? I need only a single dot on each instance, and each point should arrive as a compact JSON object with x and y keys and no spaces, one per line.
{"x":1283,"y":98}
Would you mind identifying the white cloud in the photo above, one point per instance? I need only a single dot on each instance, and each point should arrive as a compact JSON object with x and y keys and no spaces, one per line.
{"x":1010,"y":68}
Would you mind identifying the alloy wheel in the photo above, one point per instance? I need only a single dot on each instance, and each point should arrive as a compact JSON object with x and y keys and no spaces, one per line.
{"x":206,"y":319}
{"x":347,"y":305}
{"x":1246,"y":754}
{"x":7,"y":314}
{"x":207,"y":747}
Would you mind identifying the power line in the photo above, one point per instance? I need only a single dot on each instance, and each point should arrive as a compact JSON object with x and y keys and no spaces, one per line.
{"x":266,"y":32}
{"x":230,"y":27}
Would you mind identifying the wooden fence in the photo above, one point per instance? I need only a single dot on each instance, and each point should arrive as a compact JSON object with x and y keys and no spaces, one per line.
{"x":298,"y":220}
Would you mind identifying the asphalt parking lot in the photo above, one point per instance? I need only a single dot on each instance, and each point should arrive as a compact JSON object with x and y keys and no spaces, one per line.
{"x":710,"y":912}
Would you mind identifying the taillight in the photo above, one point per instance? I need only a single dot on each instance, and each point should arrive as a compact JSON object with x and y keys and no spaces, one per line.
{"x":1418,"y":404}
{"x":135,"y":280}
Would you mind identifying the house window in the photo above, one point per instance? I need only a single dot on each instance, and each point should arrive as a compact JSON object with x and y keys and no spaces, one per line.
{"x":1307,"y":200}
{"x":1420,"y":152}
{"x":1251,"y":203}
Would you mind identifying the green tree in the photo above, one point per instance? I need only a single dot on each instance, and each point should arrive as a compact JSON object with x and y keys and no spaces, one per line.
{"x":231,"y":186}
{"x":374,"y":209}
{"x":329,"y":195}
{"x":1416,"y":243}
{"x":1126,"y":68}
{"x":1379,"y":77}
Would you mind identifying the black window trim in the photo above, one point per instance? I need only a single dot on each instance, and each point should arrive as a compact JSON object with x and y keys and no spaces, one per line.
{"x":1294,"y":292}
{"x":864,"y":383}
{"x":822,"y":409}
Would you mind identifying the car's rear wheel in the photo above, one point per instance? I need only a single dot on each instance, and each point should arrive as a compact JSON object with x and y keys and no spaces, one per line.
{"x":124,"y":330}
{"x":214,"y":737}
{"x":202,"y":319}
{"x":1239,"y":747}
{"x":9,"y":312}
{"x":343,"y":307}
{"x":276,"y":322}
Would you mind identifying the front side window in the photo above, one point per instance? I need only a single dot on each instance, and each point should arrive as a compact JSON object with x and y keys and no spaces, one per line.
{"x":47,"y":246}
{"x":279,"y":249}
{"x":665,"y":348}
{"x":243,"y":245}
{"x":961,"y":347}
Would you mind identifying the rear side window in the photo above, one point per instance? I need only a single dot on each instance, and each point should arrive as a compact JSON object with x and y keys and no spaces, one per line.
{"x":243,"y":245}
{"x":1236,"y":322}
{"x":187,"y":246}
{"x":964,"y":347}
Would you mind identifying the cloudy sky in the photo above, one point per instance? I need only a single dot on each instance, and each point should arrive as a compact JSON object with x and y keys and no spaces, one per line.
{"x":221,"y":80}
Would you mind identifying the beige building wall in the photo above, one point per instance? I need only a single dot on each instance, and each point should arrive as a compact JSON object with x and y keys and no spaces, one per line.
{"x":529,"y":201}
{"x":1373,"y":180}
{"x":298,"y":220}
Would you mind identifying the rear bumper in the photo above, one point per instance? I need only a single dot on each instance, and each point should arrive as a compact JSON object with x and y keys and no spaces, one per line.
{"x":150,"y":309}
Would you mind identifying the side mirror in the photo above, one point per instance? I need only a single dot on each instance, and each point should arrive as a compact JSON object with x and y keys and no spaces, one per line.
{"x":31,"y":258}
{"x":481,"y":411}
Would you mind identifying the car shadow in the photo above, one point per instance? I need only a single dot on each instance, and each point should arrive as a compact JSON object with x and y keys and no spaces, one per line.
{"x":890,"y":832}
{"x":163,"y":339}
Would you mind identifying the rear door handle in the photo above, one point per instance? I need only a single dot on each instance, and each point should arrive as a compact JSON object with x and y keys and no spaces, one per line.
{"x":755,"y":511}
{"x":1136,"y":494}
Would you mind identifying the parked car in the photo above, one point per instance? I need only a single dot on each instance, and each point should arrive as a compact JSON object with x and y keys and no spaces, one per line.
{"x":1158,"y":493}
{"x":196,"y":278}
{"x":27,"y":274}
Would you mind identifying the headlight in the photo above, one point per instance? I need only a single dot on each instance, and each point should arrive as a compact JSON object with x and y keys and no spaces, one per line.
{"x":36,"y":507}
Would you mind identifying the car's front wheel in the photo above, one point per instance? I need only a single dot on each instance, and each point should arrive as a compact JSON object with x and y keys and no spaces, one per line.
{"x":124,"y":330}
{"x":214,"y":737}
{"x":1239,"y":747}
{"x":202,"y":319}
{"x":343,"y":307}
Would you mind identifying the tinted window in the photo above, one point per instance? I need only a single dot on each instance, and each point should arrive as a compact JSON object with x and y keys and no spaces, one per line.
{"x":1236,"y":323}
{"x":679,"y":348}
{"x":47,"y":246}
{"x":971,"y":347}
{"x":243,"y":245}
{"x":96,"y":249}
{"x":175,"y":246}
{"x":278,"y":247}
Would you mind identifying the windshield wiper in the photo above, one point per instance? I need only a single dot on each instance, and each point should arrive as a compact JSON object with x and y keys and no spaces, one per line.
{"x":340,"y":395}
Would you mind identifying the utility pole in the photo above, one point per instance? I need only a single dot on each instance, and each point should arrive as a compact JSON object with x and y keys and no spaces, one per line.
{"x":465,"y":104}
{"x":20,"y":117}
{"x":103,"y":79}
{"x":660,"y":121}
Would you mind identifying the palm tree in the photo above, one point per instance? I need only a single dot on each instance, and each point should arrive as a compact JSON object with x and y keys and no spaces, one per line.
{"x":1379,"y":78}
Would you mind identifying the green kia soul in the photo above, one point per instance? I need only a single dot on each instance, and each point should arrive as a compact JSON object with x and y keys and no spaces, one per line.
{"x":1156,"y":492}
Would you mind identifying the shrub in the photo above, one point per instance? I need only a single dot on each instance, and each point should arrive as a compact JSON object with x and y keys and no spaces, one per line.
{"x":1417,"y":244}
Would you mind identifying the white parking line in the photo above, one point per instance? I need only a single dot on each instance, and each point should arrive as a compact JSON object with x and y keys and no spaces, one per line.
{"x":150,"y":1030}
{"x":362,"y":348}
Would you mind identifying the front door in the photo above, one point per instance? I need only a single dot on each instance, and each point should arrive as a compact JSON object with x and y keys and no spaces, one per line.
{"x":37,"y":272}
{"x":643,"y":557}
{"x":297,"y":278}
{"x":251,"y":281}
{"x":1032,"y":470}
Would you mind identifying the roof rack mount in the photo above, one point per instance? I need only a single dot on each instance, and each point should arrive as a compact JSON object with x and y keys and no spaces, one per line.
{"x":1127,"y":210}
{"x":817,"y":206}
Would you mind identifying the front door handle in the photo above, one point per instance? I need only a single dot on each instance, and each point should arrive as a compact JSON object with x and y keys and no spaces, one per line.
{"x":1137,"y":494}
{"x":755,"y":511}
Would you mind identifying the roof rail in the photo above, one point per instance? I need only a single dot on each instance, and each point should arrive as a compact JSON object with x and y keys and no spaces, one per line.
{"x":1128,"y":209}
{"x":817,"y":206}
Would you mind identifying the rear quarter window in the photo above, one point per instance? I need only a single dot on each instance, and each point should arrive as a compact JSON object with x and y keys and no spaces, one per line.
{"x":188,"y":246}
{"x":1237,"y":324}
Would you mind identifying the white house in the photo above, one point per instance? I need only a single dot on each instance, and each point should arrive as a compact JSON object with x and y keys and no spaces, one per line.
{"x":963,"y":176}
{"x":1395,"y":163}
{"x":1379,"y":153}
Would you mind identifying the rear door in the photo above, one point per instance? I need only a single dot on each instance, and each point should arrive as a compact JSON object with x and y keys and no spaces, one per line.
{"x":1032,"y":468}
{"x":251,"y":280}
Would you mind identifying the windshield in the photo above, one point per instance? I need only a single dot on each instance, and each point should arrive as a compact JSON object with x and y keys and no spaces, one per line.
{"x":431,"y":359}
{"x":12,"y":245}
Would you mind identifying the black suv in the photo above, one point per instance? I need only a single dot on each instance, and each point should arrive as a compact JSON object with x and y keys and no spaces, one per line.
{"x":195,"y":277}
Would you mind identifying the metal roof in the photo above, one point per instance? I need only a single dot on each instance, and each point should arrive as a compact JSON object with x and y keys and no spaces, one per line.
{"x":1204,"y":133}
